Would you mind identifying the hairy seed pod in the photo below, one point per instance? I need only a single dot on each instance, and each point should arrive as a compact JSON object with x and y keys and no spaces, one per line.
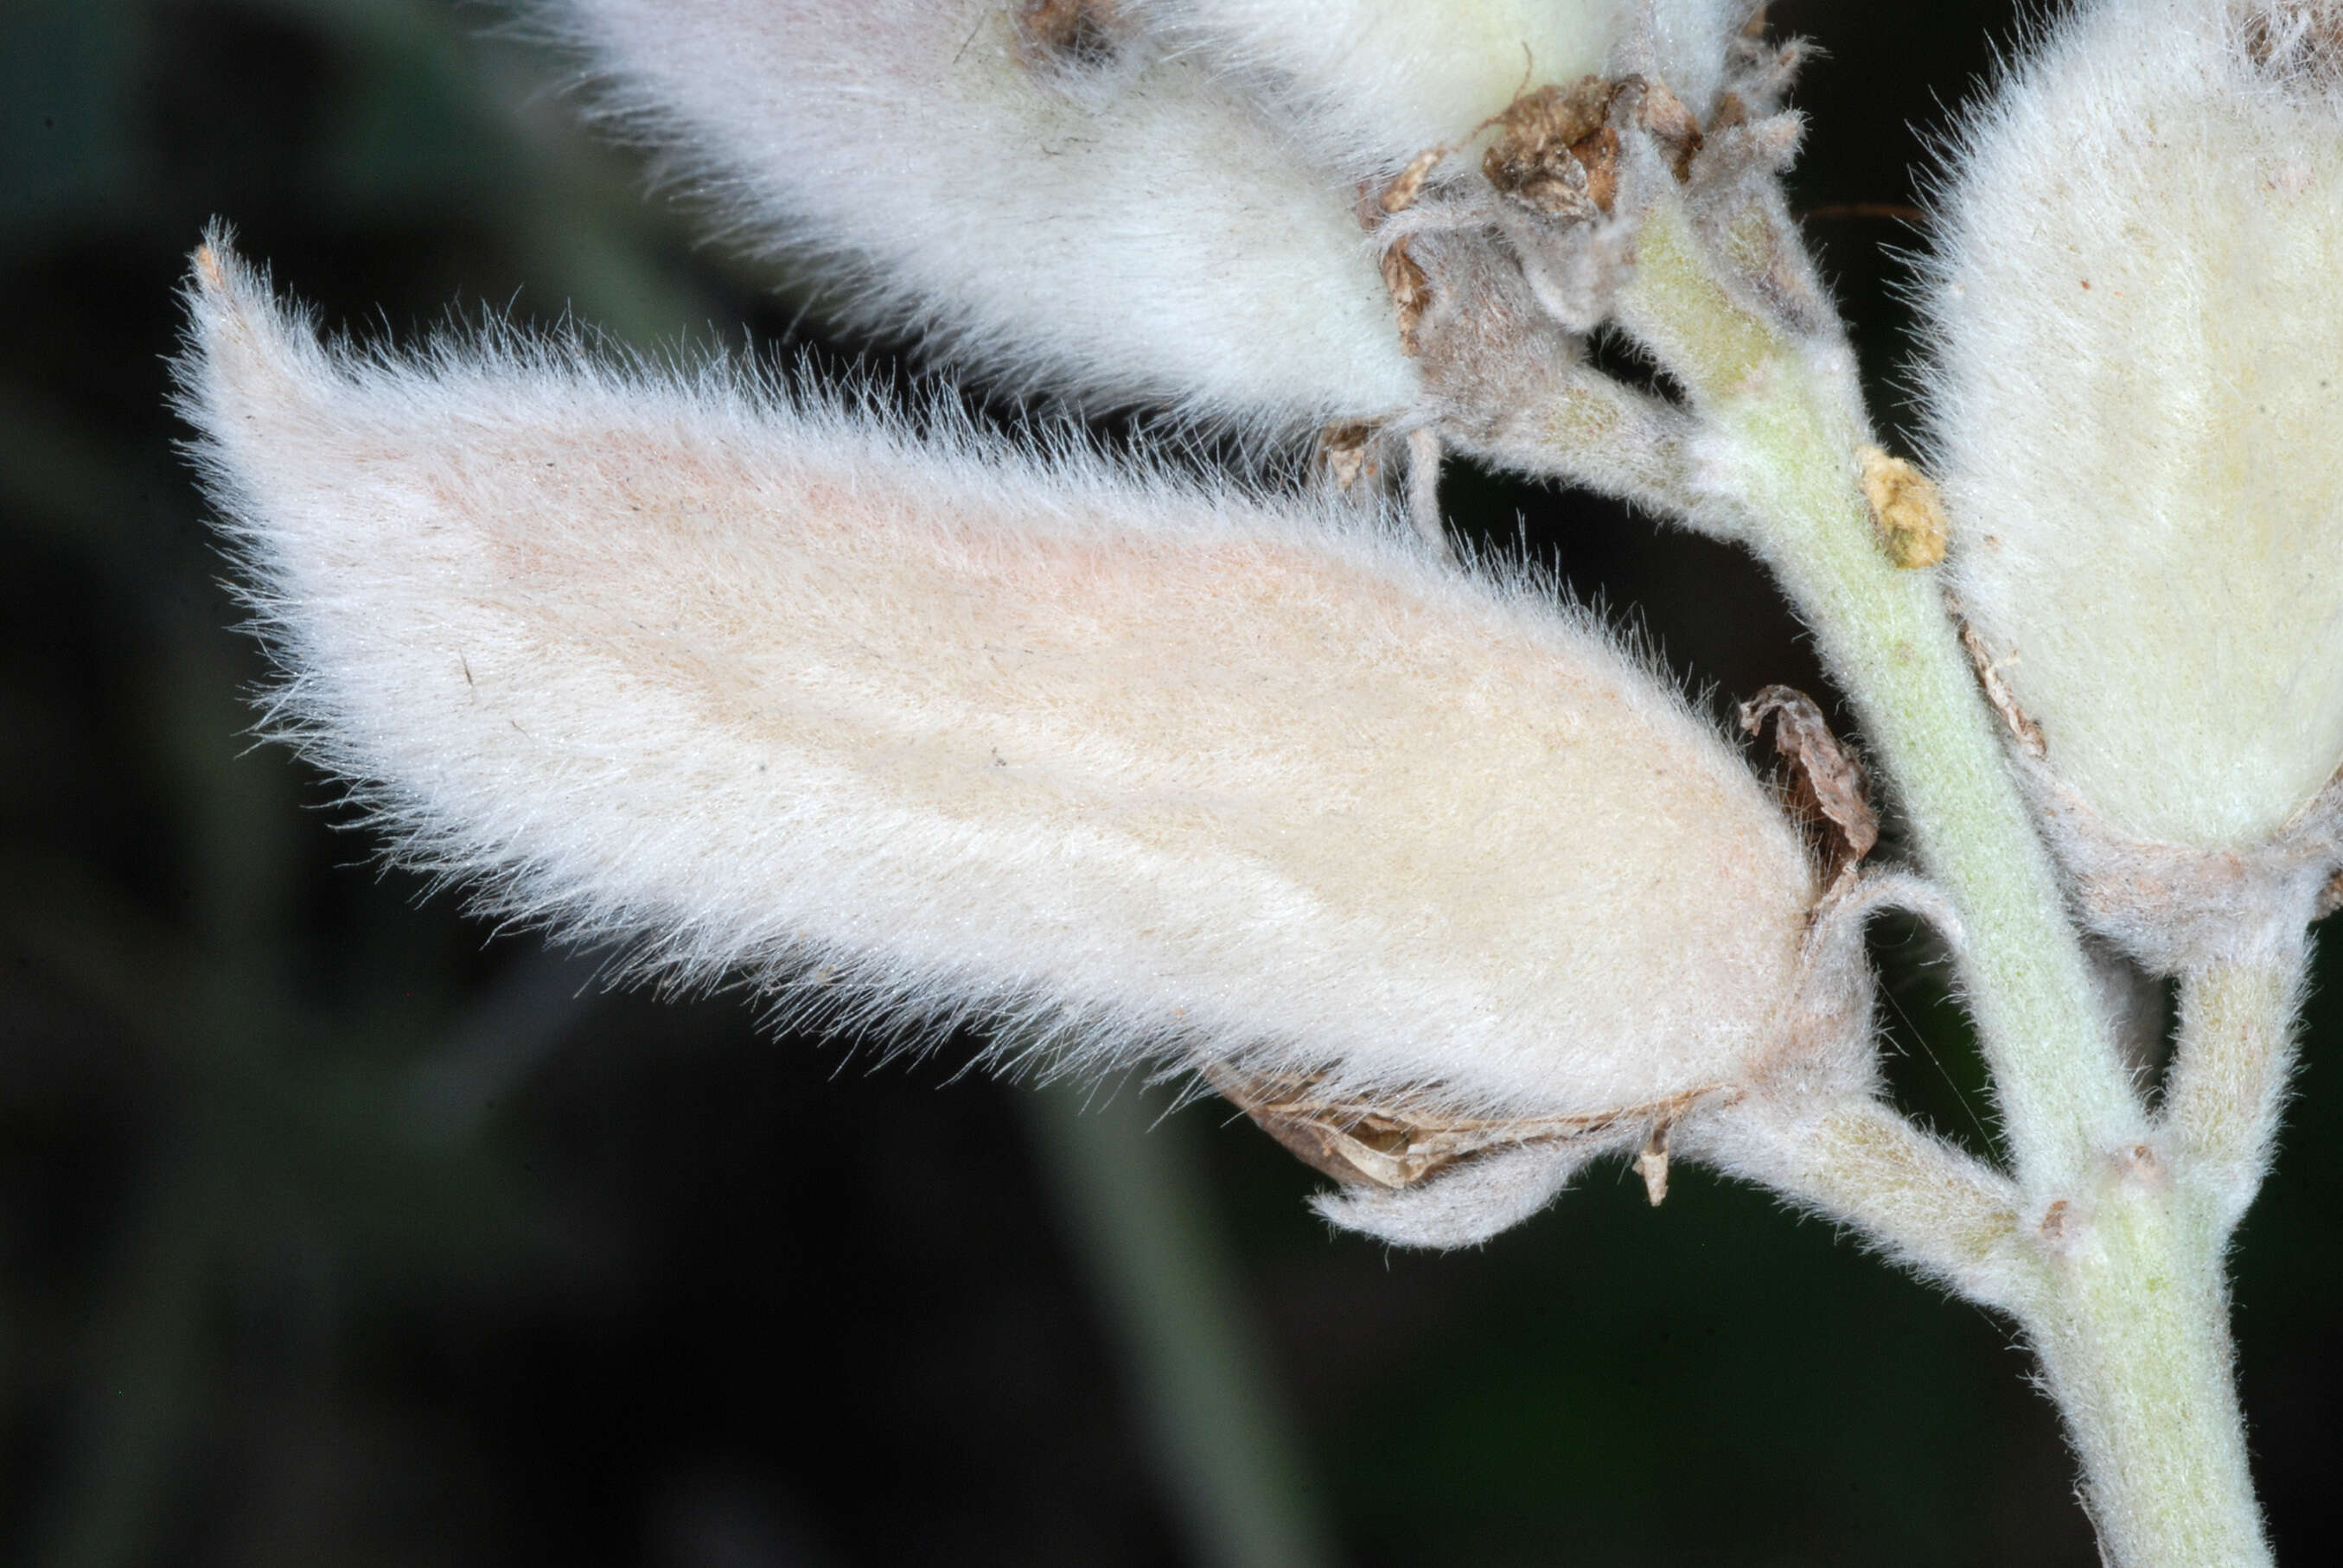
{"x":2137,"y":400}
{"x":1039,"y":189}
{"x":920,"y":727}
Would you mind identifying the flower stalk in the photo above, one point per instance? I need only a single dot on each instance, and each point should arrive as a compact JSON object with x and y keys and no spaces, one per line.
{"x":2131,"y":1323}
{"x":2229,"y":1072}
{"x":2109,"y":1260}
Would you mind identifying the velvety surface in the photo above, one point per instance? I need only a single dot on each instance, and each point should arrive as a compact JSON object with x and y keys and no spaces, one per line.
{"x":335,"y":1230}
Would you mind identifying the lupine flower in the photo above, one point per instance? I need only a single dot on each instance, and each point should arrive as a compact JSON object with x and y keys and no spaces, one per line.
{"x":1365,"y":222}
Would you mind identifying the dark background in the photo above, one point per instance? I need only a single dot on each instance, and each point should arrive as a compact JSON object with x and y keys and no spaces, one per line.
{"x":336,"y":1231}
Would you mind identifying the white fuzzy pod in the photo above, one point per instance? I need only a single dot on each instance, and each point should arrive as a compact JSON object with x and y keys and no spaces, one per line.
{"x":2136,"y":402}
{"x":1118,"y":225}
{"x":912,"y":728}
{"x":1373,"y":83}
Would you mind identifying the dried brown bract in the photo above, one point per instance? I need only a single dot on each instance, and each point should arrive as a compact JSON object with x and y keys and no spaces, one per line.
{"x":1674,"y":128}
{"x":1761,"y":74}
{"x":1556,"y":152}
{"x":1410,"y":292}
{"x":1346,"y":453}
{"x":1652,"y":1161}
{"x":1408,"y":184}
{"x":1988,"y":668}
{"x":1399,"y":1144}
{"x":1829,"y":787}
{"x":1905,"y":508}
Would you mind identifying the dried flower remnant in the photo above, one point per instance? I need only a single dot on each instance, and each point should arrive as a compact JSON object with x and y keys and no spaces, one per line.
{"x":1346,"y":453}
{"x":1829,"y":787}
{"x":1652,"y":1161}
{"x":1673,"y":126}
{"x":1410,"y":293}
{"x":1556,"y":152}
{"x":1988,"y":668}
{"x":2296,"y":40}
{"x":1405,"y":1139}
{"x":1077,"y":34}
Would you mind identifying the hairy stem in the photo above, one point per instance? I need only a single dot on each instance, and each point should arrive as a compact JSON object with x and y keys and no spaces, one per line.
{"x":1791,"y":426}
{"x":2116,"y":1271}
{"x":2229,"y":1074}
{"x":1934,"y":1207}
{"x":2133,"y":1333}
{"x":1592,"y":430}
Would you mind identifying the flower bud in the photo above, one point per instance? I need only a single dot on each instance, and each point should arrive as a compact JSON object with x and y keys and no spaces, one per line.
{"x":2137,"y":398}
{"x":1422,"y":867}
{"x":1039,"y":188}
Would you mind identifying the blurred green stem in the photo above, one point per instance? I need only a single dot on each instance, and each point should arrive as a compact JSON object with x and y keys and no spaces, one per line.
{"x":1136,"y":1200}
{"x":147,"y":1360}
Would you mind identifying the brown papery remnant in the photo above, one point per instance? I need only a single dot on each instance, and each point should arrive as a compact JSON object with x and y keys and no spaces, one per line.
{"x":1555,"y":151}
{"x":2296,"y":38}
{"x":1410,"y":291}
{"x":1059,"y":34}
{"x":1673,"y":126}
{"x":1347,"y":452}
{"x":1399,"y":1143}
{"x":1996,"y":691}
{"x":1828,"y":786}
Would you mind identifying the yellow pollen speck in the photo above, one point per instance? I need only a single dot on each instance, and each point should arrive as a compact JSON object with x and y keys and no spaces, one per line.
{"x":1906,"y":508}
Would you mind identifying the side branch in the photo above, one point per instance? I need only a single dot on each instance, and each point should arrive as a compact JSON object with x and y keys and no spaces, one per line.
{"x":1590,"y":429}
{"x":1924,"y":1201}
{"x":2229,"y":1074}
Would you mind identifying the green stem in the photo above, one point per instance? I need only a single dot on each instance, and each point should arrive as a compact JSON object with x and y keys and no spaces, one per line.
{"x":2229,"y":1074}
{"x":1793,"y":423}
{"x":2116,"y":1267}
{"x":2133,"y":1341}
{"x":1137,"y":1204}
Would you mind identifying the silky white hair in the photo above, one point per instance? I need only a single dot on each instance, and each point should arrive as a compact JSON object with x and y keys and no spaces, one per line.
{"x":1368,"y":85}
{"x":2135,"y":401}
{"x":1118,"y":225}
{"x":904,"y":725}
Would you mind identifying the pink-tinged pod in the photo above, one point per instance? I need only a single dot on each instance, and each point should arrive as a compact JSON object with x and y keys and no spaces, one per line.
{"x":913,"y":727}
